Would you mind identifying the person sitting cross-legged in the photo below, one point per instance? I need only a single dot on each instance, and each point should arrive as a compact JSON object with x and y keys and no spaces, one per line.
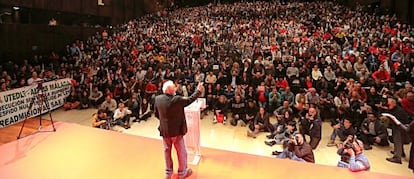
{"x":109,"y":105}
{"x":145,"y":111}
{"x":280,"y":125}
{"x":220,"y":109}
{"x":342,"y":130}
{"x":238,"y":108}
{"x":373,"y":131}
{"x":261,"y":123}
{"x":286,"y":133}
{"x":311,"y":125}
{"x":122,"y":115}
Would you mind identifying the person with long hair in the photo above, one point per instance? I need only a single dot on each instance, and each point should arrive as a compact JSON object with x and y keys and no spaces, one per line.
{"x":261,"y":123}
{"x":145,"y":111}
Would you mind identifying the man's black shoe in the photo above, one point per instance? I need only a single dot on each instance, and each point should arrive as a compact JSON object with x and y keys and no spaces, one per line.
{"x":276,"y":153}
{"x":270,"y":143}
{"x":367,"y":147}
{"x":394,"y":160}
{"x":402,"y":155}
{"x":270,"y":136}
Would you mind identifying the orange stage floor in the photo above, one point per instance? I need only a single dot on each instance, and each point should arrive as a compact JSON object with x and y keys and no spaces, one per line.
{"x":76,"y":151}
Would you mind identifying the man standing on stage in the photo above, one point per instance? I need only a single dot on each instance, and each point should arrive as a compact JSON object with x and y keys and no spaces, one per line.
{"x":169,"y":109}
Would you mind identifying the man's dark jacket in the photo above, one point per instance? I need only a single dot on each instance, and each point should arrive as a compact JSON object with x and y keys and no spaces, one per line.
{"x":169,"y":110}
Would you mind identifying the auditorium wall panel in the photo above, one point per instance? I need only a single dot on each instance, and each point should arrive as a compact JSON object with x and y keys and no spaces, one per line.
{"x":118,"y":10}
{"x":89,"y":7}
{"x":129,"y":9}
{"x":72,"y":6}
{"x":38,"y":39}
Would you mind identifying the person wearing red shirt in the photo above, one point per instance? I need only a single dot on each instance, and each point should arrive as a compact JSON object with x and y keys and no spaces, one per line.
{"x":150,"y":89}
{"x":381,"y":74}
{"x":407,"y":103}
{"x":282,"y":83}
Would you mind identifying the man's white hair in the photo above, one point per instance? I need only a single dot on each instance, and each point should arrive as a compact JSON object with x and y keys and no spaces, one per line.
{"x":166,"y":85}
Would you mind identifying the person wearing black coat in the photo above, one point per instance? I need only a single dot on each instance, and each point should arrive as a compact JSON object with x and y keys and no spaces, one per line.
{"x":409,"y":129}
{"x":169,"y":109}
{"x":311,"y":124}
{"x":373,"y":131}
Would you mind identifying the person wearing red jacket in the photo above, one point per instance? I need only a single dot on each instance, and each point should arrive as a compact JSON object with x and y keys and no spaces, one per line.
{"x":381,"y":74}
{"x":407,"y":103}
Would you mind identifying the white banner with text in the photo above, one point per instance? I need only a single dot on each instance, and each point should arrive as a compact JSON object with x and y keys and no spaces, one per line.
{"x":14,"y":104}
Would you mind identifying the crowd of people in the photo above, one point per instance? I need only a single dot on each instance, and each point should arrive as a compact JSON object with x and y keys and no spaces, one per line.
{"x":302,"y":62}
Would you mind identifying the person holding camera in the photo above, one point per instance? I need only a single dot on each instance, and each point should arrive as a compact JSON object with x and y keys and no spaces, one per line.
{"x":352,"y":156}
{"x":100,"y":119}
{"x":297,"y":149}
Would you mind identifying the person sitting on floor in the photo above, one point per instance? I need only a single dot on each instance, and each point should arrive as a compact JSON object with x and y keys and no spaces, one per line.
{"x":297,"y":149}
{"x":122,"y":115}
{"x":287,"y":133}
{"x":342,"y":130}
{"x":109,"y":105}
{"x":220,"y":109}
{"x":95,"y":96}
{"x":72,"y":101}
{"x":133,"y":104}
{"x":251,"y":111}
{"x":280,"y":124}
{"x":238,"y":110}
{"x":261,"y":123}
{"x":100,"y":119}
{"x":84,"y":101}
{"x":145,"y":111}
{"x":311,"y":124}
{"x":373,"y":131}
{"x":352,"y":156}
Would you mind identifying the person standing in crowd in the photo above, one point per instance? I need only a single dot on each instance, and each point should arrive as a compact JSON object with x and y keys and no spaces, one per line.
{"x":35,"y":78}
{"x":397,"y":133}
{"x":169,"y":109}
{"x":410,"y":131}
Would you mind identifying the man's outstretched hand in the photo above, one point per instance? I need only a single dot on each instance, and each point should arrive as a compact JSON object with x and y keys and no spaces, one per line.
{"x":200,"y":86}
